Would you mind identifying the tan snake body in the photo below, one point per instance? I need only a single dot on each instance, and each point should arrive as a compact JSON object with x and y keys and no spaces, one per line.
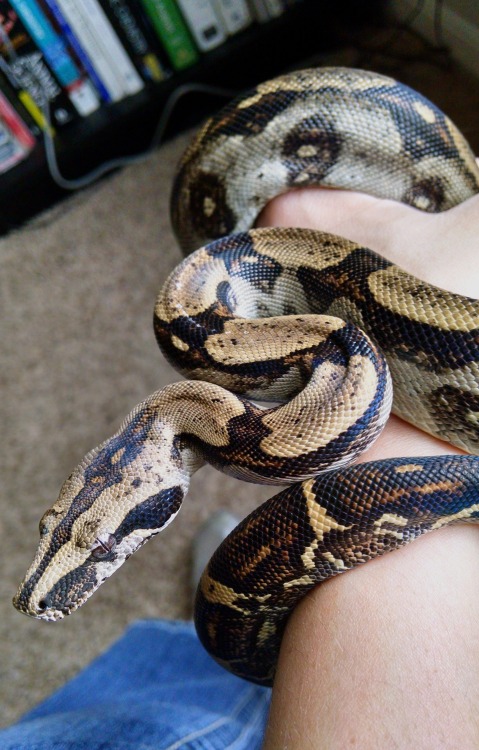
{"x":256,"y":313}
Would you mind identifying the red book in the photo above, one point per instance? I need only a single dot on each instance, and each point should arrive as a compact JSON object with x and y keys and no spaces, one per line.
{"x":15,"y":124}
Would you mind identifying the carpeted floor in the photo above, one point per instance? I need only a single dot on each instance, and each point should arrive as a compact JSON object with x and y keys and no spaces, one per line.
{"x":77,"y":292}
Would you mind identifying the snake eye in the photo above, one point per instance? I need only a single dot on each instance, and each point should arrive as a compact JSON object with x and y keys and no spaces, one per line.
{"x":103,"y":546}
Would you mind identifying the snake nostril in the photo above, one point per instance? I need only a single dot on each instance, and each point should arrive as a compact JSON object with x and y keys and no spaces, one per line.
{"x":42,"y":605}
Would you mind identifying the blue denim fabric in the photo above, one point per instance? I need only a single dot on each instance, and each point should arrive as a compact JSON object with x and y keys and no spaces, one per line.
{"x":154,"y":689}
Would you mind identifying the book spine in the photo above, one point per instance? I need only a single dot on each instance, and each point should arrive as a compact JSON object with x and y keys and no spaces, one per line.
{"x":12,"y":96}
{"x":24,"y":98}
{"x":144,"y":21}
{"x":86,"y":36}
{"x":81,"y":92}
{"x":76,"y":46}
{"x":172,"y":31}
{"x":235,"y":14}
{"x":134,"y":39}
{"x":132,"y":82}
{"x":11,"y":150}
{"x":17,"y":126}
{"x":28,"y":73}
{"x":204,"y":23}
{"x":259,"y":10}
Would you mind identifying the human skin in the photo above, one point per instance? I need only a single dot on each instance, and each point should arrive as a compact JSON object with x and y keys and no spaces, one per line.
{"x":387,"y":656}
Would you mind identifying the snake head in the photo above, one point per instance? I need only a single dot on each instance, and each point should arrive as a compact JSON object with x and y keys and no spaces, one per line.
{"x":119,"y":496}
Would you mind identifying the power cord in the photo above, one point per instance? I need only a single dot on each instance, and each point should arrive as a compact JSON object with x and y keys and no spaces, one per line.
{"x":108,"y":166}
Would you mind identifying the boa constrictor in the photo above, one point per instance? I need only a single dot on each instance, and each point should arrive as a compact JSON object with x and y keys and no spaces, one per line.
{"x":271,"y":314}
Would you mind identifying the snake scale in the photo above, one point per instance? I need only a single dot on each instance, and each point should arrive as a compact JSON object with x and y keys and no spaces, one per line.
{"x":272,"y":315}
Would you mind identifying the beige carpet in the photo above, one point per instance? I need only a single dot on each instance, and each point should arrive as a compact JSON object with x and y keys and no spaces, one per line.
{"x":77,"y":293}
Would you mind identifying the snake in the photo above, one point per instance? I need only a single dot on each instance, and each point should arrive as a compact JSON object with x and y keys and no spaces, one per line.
{"x":294,"y":344}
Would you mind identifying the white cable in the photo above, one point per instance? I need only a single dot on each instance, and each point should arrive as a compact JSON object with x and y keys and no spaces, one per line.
{"x":122,"y":161}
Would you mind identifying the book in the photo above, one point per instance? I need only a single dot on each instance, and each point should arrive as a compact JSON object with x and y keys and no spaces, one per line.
{"x":59,"y":19}
{"x":18,"y":128}
{"x":137,"y":38}
{"x":205,"y":24}
{"x":235,"y":14}
{"x":27,"y":71}
{"x":11,"y":96}
{"x":108,"y":39}
{"x":81,"y":92}
{"x":172,"y":30}
{"x":11,"y":150}
{"x":16,"y":138}
{"x":93,"y":49}
{"x":259,"y":10}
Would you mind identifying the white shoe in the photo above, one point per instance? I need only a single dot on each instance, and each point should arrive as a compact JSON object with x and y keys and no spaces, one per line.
{"x":208,"y":539}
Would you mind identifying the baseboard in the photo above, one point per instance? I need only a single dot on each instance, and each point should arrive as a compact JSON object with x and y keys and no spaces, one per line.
{"x":460,"y":34}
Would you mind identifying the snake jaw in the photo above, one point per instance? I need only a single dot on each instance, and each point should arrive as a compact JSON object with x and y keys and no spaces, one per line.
{"x":39,"y":608}
{"x":49,"y":614}
{"x":52,"y":595}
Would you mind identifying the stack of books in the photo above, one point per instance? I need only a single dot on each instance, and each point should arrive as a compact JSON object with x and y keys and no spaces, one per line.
{"x":75,"y":56}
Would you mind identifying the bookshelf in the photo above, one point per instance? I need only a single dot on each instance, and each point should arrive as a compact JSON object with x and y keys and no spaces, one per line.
{"x":261,"y":51}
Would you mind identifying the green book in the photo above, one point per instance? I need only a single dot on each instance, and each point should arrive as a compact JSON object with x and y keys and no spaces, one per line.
{"x":173,"y":32}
